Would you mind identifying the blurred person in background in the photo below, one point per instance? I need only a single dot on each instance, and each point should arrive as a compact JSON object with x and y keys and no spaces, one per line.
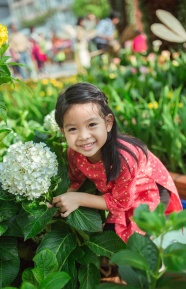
{"x":82,"y":55}
{"x":106,"y":38}
{"x":37,"y":54}
{"x":90,"y":24}
{"x":20,"y":49}
{"x":139,"y":43}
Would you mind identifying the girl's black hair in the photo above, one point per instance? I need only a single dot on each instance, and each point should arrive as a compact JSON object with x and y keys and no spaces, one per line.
{"x":84,"y":92}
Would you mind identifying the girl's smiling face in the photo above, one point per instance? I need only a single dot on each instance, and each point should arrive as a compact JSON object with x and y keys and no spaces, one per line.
{"x":85,"y":130}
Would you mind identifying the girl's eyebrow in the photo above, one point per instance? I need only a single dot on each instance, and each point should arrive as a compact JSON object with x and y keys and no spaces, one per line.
{"x":88,"y":120}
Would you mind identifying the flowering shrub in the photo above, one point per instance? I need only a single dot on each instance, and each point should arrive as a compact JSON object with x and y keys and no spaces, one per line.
{"x":4,"y":34}
{"x":50,"y":123}
{"x":5,"y":75}
{"x":27,"y":169}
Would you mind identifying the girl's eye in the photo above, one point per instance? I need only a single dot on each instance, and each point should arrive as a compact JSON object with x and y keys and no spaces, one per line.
{"x":72,"y":129}
{"x":92,"y":124}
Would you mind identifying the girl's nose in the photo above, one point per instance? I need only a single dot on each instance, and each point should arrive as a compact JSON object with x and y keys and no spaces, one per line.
{"x":83,"y":134}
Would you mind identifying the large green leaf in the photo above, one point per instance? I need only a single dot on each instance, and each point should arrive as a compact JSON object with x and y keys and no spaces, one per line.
{"x":28,"y":276}
{"x":105,"y":244}
{"x":34,"y":224}
{"x":153,"y":223}
{"x":8,"y":210}
{"x":89,"y":276}
{"x":3,"y":228}
{"x":70,"y":267}
{"x":9,"y":261}
{"x":28,"y":285}
{"x":60,"y":243}
{"x":5,"y":196}
{"x":3,"y":113}
{"x":174,"y":257}
{"x":177,"y":220}
{"x":85,"y":219}
{"x":88,"y":257}
{"x":55,"y":280}
{"x":143,"y":246}
{"x":9,"y":287}
{"x":133,"y":259}
{"x":14,"y":229}
{"x":45,"y":263}
{"x":133,"y":277}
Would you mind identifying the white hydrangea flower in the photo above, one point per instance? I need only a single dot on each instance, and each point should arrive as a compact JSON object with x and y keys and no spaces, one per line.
{"x":50,"y":123}
{"x":27,"y":169}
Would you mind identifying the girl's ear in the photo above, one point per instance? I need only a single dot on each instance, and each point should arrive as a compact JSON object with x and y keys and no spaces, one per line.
{"x":109,"y":122}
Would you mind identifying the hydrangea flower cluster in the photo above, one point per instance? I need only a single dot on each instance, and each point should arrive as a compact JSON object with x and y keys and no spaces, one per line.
{"x":27,"y":169}
{"x":50,"y":123}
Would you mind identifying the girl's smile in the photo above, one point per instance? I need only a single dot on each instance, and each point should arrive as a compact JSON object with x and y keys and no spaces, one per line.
{"x":85,"y":130}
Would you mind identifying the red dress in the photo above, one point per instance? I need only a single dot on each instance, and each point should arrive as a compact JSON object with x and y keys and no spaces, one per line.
{"x":129,"y":190}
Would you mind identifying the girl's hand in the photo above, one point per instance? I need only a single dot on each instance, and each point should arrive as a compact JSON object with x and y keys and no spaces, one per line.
{"x":67,"y":203}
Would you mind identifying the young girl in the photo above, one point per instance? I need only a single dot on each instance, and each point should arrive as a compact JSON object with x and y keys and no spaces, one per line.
{"x":121,"y":167}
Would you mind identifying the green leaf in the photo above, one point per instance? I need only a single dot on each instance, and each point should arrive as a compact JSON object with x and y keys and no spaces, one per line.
{"x":3,"y":228}
{"x":8,"y":210}
{"x":143,"y":246}
{"x":14,"y":229}
{"x":85,"y":219}
{"x":9,"y":261}
{"x":55,"y":280}
{"x":10,"y":288}
{"x":70,"y":267}
{"x":177,"y":220}
{"x":88,"y":276}
{"x":6,"y":70}
{"x":3,"y":112}
{"x":87,"y":257}
{"x":174,"y":257}
{"x":28,"y":285}
{"x":5,"y":196}
{"x":34,"y":224}
{"x":153,"y":223}
{"x":4,"y":59}
{"x":3,"y":48}
{"x":28,"y":276}
{"x":105,"y":244}
{"x":133,"y":277}
{"x":61,"y":244}
{"x":133,"y":259}
{"x":45,"y":262}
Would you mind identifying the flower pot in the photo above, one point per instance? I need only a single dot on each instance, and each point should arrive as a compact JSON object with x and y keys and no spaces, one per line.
{"x":180,"y":182}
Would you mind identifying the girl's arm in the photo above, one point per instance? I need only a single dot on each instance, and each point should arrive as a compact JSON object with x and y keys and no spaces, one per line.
{"x":72,"y":200}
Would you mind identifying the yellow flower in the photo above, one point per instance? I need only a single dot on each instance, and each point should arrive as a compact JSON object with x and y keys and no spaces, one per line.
{"x":112,"y":75}
{"x":3,"y":34}
{"x":118,"y":108}
{"x":42,"y":93}
{"x":45,"y":81}
{"x":170,"y":94}
{"x":155,"y":104}
{"x":180,"y":104}
{"x":150,"y":105}
{"x":49,"y":91}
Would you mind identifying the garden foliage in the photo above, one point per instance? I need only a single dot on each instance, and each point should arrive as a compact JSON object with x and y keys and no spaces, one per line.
{"x":39,"y":249}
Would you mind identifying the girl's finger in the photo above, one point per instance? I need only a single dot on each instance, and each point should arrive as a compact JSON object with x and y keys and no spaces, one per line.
{"x":64,"y":215}
{"x":49,"y":206}
{"x":57,"y":205}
